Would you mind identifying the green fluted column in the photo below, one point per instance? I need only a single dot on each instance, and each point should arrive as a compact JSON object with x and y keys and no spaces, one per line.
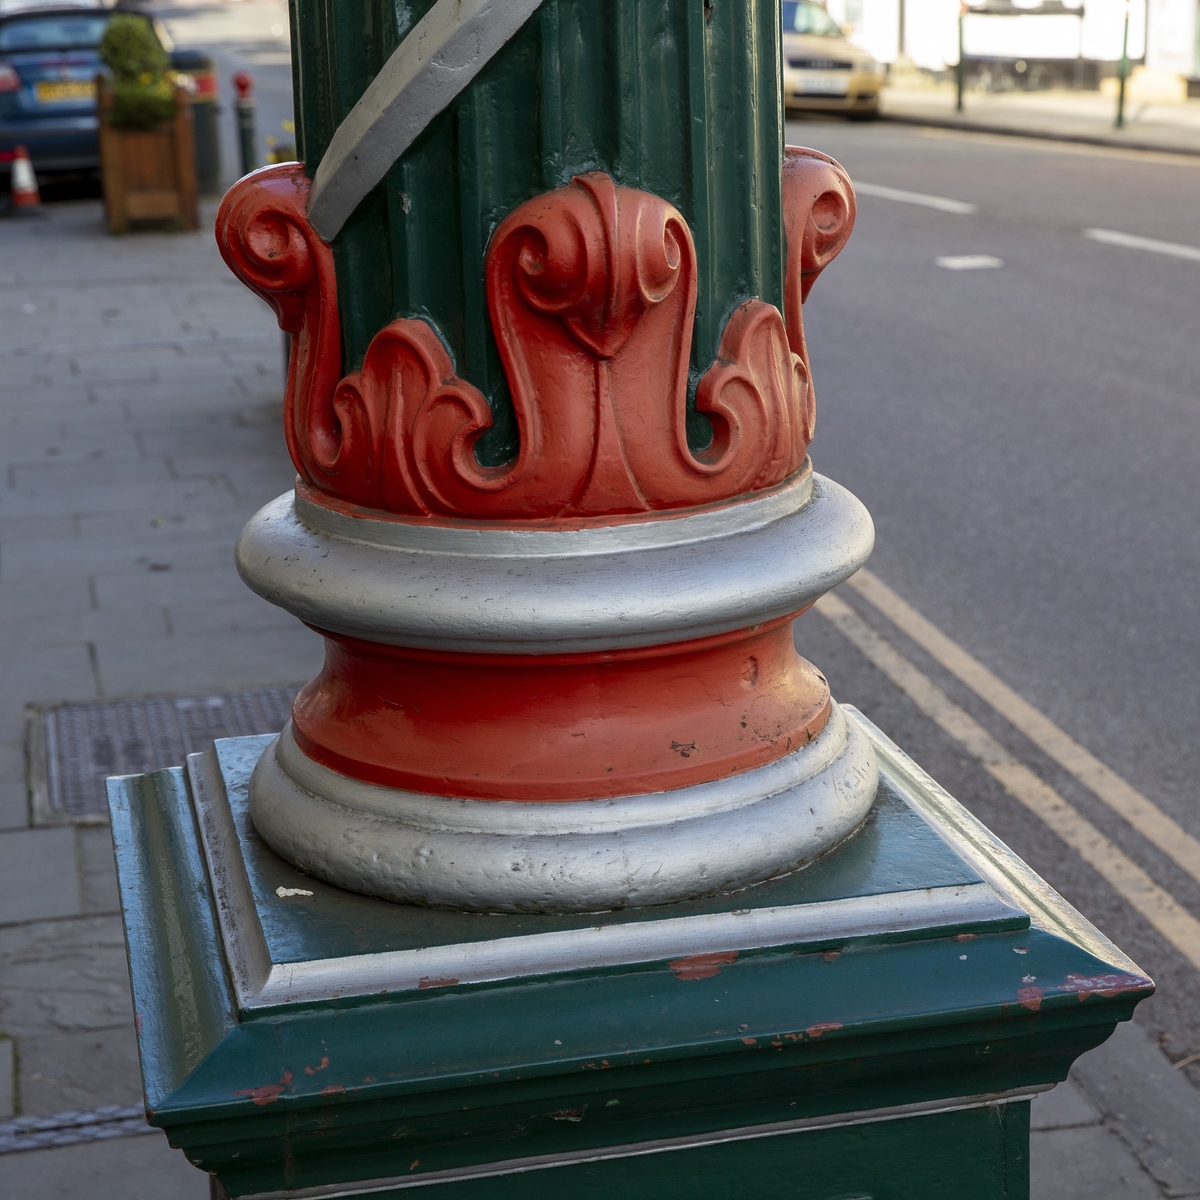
{"x":677,"y":97}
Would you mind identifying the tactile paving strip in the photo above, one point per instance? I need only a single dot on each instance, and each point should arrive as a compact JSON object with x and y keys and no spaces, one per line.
{"x":75,"y":747}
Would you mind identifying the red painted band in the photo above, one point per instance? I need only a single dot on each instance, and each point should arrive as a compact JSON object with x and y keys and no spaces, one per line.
{"x":562,"y":727}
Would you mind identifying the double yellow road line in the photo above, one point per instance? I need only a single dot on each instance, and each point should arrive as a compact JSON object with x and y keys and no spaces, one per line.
{"x":1122,"y":874}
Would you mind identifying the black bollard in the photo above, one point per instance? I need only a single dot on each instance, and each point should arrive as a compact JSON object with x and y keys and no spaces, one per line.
{"x":202,"y":95}
{"x":245,"y":105}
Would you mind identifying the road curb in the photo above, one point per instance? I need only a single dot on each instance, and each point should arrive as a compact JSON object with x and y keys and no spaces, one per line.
{"x":1085,"y":139}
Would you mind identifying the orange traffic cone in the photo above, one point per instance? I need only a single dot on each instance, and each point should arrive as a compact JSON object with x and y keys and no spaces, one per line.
{"x":25,"y":195}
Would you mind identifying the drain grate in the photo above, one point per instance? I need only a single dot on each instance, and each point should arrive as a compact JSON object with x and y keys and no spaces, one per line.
{"x":67,"y":1128}
{"x":75,"y":747}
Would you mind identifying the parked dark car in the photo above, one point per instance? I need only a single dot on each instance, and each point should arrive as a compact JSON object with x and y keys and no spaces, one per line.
{"x":49,"y":58}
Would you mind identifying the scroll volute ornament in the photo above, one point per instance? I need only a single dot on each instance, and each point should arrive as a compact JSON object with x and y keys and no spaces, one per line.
{"x":818,"y":218}
{"x":267,"y":242}
{"x":592,"y":295}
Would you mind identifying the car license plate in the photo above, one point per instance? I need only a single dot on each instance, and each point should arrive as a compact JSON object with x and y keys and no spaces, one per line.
{"x":57,"y":90}
{"x":828,"y":83}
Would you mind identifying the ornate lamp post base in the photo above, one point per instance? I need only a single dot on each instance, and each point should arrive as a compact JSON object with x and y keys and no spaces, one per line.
{"x":566,"y":683}
{"x":550,"y":403}
{"x":629,"y":692}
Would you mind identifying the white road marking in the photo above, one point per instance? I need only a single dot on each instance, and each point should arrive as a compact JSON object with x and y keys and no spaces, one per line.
{"x":1130,"y":241}
{"x":969,"y":262}
{"x":941,"y":203}
{"x":1118,"y":870}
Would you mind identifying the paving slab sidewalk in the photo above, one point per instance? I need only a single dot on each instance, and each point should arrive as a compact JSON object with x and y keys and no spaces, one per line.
{"x":1084,"y":117}
{"x":140,"y":392}
{"x":140,"y":404}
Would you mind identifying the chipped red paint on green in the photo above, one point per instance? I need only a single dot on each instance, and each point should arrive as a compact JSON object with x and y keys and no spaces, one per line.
{"x":701,"y":966}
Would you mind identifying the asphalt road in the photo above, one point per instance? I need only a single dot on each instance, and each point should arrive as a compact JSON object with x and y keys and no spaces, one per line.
{"x":1027,"y":438}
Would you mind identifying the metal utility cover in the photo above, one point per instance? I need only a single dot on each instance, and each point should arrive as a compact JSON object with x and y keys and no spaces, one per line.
{"x":73,"y":748}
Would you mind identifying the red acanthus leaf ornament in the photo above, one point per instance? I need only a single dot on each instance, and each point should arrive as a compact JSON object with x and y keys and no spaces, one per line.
{"x":423,"y":423}
{"x":757,"y":441}
{"x":592,"y":295}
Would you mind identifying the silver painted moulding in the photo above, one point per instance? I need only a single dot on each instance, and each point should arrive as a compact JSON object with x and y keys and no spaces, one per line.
{"x":581,"y":856}
{"x":669,"y":578}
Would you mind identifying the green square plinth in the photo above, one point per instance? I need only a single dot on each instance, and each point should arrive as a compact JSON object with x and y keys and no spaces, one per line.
{"x":873,"y":1026}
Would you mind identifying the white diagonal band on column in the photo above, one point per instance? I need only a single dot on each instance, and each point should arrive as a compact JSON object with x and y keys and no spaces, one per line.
{"x":446,"y":49}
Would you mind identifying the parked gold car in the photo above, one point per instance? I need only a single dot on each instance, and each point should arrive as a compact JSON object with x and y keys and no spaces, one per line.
{"x":822,"y":71}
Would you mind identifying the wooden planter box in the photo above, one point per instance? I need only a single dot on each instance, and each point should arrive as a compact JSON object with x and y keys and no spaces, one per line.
{"x":149,"y":174}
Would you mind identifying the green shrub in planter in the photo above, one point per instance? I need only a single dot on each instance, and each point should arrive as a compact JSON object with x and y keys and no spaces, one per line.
{"x":143,"y":90}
